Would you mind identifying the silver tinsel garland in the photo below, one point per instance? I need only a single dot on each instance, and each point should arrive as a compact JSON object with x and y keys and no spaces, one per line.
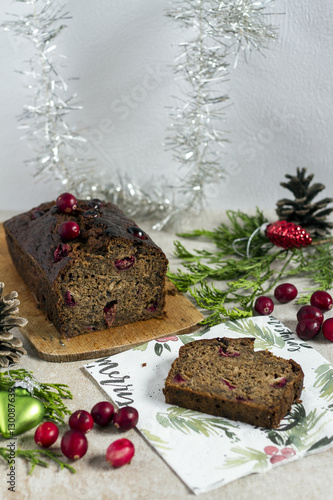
{"x":44,"y":120}
{"x":218,"y":29}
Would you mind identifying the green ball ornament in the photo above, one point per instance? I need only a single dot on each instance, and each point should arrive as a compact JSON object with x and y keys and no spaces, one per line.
{"x":19,"y":412}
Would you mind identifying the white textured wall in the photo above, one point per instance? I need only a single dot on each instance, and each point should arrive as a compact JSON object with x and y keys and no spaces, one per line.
{"x":123,"y":51}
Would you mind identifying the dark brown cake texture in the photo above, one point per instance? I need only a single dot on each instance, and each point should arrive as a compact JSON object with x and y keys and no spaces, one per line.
{"x":226,"y":377}
{"x":110,"y":275}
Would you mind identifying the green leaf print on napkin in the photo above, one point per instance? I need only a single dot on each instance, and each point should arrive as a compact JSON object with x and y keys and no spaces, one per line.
{"x":187,"y":421}
{"x":245,"y":455}
{"x":324,"y":380}
{"x":265,"y":337}
{"x":300,"y":430}
{"x":155,"y":440}
{"x":141,"y":347}
{"x":298,"y":433}
{"x":158,"y":346}
{"x":189,"y":337}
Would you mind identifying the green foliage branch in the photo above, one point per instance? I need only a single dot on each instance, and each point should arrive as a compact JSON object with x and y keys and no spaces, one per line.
{"x":36,"y":457}
{"x":245,"y":278}
{"x":51,"y":395}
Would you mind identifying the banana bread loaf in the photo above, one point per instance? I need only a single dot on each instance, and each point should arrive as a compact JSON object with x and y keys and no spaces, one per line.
{"x":88,"y":265}
{"x":227,"y":378}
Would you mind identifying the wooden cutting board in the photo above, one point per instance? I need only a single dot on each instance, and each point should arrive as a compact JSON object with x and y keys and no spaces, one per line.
{"x":182,"y":317}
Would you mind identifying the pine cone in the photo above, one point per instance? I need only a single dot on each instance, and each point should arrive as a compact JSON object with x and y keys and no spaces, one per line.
{"x":301,"y":210}
{"x":11,"y":348}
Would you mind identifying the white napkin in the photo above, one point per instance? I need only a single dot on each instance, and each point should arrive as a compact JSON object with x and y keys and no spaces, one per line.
{"x":206,"y":451}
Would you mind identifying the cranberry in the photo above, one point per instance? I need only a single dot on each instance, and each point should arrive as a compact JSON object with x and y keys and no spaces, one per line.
{"x":310,"y":312}
{"x":61,"y":251}
{"x":264,"y":305}
{"x":81,"y":420}
{"x":120,"y":452}
{"x":152,"y":306}
{"x":95,"y":204}
{"x":308,"y":328}
{"x":124,"y":264}
{"x":102,"y":413}
{"x":136,"y":231}
{"x":69,"y":230}
{"x":328,"y":329}
{"x":126,"y":418}
{"x":74,"y":444}
{"x":46,"y":434}
{"x":230,"y":386}
{"x":69,"y":299}
{"x":241,"y":398}
{"x":279,"y":382}
{"x":322,"y":300}
{"x":90,"y":214}
{"x":110,"y":311}
{"x":90,"y":328}
{"x":285,"y":293}
{"x":178,"y":378}
{"x":66,"y":203}
{"x":228,"y":354}
{"x":37,"y":213}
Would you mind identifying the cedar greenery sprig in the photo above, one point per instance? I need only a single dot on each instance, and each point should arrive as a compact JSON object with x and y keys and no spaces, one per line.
{"x":245,"y":278}
{"x":51,"y":395}
{"x":240,"y":225}
{"x":33,"y":457}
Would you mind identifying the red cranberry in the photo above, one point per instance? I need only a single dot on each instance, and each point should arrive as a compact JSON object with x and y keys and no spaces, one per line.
{"x":285,"y":293}
{"x":90,"y":328}
{"x":322,"y":300}
{"x":136,"y":231}
{"x":120,"y":452}
{"x":126,"y":418}
{"x":69,"y":299}
{"x":46,"y":434}
{"x":124,"y":264}
{"x":279,"y":382}
{"x":328,"y":329}
{"x":81,"y":420}
{"x":90,"y":214}
{"x":110,"y":311}
{"x":69,"y":230}
{"x":152,"y":306}
{"x":230,"y":386}
{"x":37,"y":213}
{"x":95,"y":204}
{"x":61,"y":251}
{"x":66,"y":203}
{"x":228,"y":354}
{"x":74,"y":444}
{"x":264,"y":305}
{"x":310,"y":312}
{"x":308,"y":328}
{"x":102,"y":413}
